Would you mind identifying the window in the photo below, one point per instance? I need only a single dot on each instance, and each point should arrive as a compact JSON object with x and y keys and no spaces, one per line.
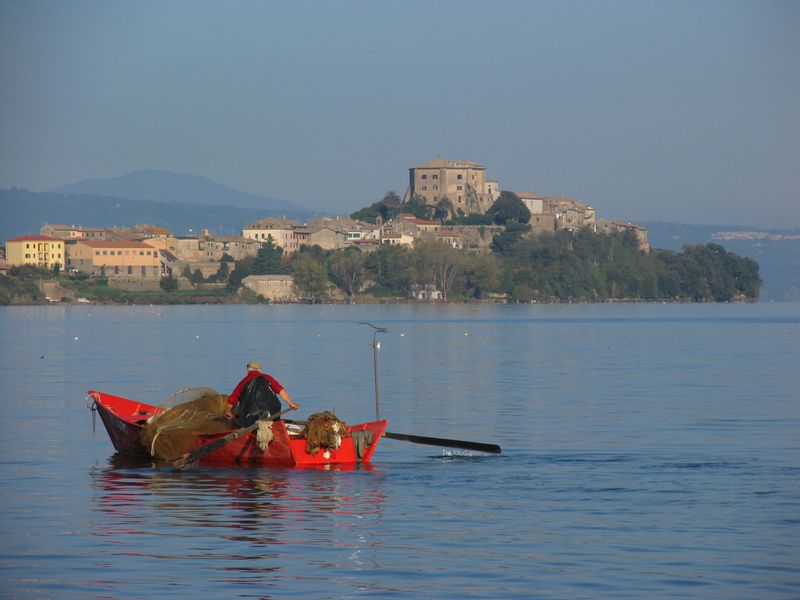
{"x":130,"y":270}
{"x":459,"y":176}
{"x":436,"y":177}
{"x":424,"y":187}
{"x":424,"y":177}
{"x":459,"y":187}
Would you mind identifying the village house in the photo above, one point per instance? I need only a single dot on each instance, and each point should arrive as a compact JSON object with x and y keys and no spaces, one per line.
{"x":606,"y":226}
{"x":71,"y":232}
{"x":289,"y":235}
{"x":39,"y":251}
{"x":139,"y":232}
{"x":393,"y":237}
{"x":418,"y":225}
{"x":462,"y":182}
{"x":549,"y":213}
{"x":238,"y":248}
{"x":477,"y":239}
{"x":338,"y":232}
{"x":445,"y":236}
{"x":115,"y":258}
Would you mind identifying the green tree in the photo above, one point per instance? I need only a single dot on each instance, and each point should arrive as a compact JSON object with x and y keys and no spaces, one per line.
{"x":197,"y":277}
{"x":443,"y":210}
{"x":347,"y":269}
{"x":386,"y":208}
{"x":243,"y":268}
{"x":417,"y":207}
{"x":390,"y":206}
{"x":310,"y":278}
{"x":222,"y":272}
{"x":390,"y":267}
{"x":438,"y":264}
{"x":269,"y":259}
{"x":169,"y":284}
{"x":369,"y":214}
{"x":482,"y":275}
{"x":508,"y":207}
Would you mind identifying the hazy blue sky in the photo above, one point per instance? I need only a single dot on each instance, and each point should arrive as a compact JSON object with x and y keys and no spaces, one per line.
{"x":668,"y":110}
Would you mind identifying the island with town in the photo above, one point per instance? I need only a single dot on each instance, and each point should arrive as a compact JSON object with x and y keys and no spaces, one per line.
{"x":454,"y":235}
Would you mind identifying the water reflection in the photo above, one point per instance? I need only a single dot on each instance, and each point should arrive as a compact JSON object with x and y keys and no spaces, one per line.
{"x":251,"y":508}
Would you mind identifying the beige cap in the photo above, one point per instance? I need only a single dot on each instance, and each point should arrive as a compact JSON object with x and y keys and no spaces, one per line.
{"x":254,"y":365}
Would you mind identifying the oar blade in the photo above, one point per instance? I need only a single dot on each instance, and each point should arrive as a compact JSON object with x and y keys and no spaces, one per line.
{"x":447,"y":443}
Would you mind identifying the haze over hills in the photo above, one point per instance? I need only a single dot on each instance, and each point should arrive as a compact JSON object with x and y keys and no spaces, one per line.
{"x":166,"y":186}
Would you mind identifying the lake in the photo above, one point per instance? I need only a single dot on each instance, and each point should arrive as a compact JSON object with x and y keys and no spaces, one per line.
{"x":649,"y":451}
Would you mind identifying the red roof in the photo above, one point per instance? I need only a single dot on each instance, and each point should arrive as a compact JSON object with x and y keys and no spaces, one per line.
{"x":34,"y":238}
{"x":417,"y":220}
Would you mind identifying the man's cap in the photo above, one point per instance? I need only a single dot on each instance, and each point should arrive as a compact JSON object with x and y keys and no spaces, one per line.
{"x":254,"y":365}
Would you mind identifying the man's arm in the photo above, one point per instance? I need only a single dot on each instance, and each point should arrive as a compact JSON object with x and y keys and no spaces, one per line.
{"x":288,"y":399}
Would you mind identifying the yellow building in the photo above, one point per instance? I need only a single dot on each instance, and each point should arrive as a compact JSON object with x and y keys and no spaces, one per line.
{"x":462,"y":182}
{"x":115,"y":258}
{"x":40,"y":251}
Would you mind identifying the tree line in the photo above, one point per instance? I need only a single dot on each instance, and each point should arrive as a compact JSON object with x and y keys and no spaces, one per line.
{"x":551,"y":267}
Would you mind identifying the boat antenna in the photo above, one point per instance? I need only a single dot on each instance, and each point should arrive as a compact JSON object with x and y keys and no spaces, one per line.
{"x":376,"y":345}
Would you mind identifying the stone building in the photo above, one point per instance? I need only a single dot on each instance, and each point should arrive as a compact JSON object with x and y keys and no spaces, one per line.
{"x":606,"y":226}
{"x":120,"y":258}
{"x":72,"y":232}
{"x":289,"y":235}
{"x":549,"y":213}
{"x":238,"y":248}
{"x":338,"y":232}
{"x":462,"y":182}
{"x":276,"y":288}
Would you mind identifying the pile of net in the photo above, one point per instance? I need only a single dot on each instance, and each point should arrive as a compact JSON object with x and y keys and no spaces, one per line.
{"x":172,"y":433}
{"x":323,"y":430}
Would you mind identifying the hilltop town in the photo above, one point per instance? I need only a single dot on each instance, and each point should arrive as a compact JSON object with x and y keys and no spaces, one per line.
{"x":453,"y":235}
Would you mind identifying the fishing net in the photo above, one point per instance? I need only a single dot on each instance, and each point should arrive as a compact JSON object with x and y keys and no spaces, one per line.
{"x":324,"y":430}
{"x":186,"y":413}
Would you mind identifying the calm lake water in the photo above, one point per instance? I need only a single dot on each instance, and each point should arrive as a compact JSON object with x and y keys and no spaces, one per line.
{"x":649,"y":451}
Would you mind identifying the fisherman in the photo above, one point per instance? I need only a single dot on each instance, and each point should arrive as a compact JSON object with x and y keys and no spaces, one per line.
{"x":257,"y":395}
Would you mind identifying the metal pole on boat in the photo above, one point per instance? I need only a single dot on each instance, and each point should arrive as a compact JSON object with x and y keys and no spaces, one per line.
{"x":375,"y":347}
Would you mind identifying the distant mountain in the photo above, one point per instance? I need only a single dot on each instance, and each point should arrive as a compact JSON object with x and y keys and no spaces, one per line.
{"x":777,"y":251}
{"x":165,"y":186}
{"x":24,"y":213}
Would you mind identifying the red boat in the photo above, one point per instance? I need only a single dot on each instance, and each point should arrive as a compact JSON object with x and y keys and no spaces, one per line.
{"x":124,"y":420}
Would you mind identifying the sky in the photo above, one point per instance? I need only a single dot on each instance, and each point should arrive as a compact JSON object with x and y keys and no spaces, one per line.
{"x":679,"y":110}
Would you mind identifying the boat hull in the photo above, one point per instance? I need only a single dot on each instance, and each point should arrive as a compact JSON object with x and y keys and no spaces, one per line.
{"x":124,"y":420}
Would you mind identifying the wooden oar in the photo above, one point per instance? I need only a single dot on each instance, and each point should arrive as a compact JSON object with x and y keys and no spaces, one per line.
{"x":431,"y":441}
{"x":198,"y":453}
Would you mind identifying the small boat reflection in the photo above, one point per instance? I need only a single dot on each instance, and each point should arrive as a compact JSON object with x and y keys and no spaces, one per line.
{"x":258,"y":506}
